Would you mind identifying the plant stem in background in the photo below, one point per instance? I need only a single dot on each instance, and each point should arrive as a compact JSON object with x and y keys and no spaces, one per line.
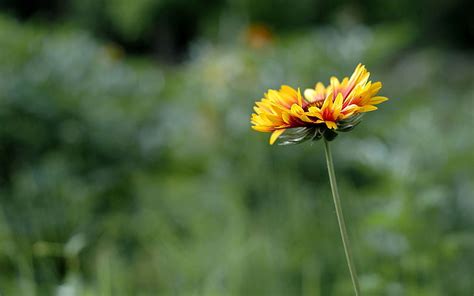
{"x":340,"y":218}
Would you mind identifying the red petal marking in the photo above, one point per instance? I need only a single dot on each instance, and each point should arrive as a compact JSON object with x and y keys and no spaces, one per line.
{"x":348,"y":89}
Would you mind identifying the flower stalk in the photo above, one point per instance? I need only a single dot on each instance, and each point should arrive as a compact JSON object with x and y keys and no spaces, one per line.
{"x":340,"y":218}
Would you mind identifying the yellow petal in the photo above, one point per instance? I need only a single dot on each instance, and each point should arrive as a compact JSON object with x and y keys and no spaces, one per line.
{"x":305,"y":118}
{"x":320,"y":88}
{"x":363,"y":79}
{"x":338,"y":102}
{"x":262,"y":128}
{"x":367,"y":108}
{"x":310,"y":94}
{"x":286,"y":117}
{"x":275,"y":135}
{"x":327,"y":102}
{"x":296,"y":109}
{"x":349,"y":110}
{"x":374,"y":88}
{"x":300,"y":99}
{"x":334,"y":82}
{"x":331,"y":124}
{"x":272,"y":95}
{"x":377,"y":100}
{"x":287,"y":89}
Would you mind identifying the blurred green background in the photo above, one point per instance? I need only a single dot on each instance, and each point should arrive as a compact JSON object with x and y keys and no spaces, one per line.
{"x":128,"y":166}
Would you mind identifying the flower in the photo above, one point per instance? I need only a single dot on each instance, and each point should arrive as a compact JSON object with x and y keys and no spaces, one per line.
{"x":320,"y":111}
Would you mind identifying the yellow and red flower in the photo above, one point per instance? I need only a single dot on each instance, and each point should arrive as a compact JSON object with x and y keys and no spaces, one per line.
{"x":321,"y":111}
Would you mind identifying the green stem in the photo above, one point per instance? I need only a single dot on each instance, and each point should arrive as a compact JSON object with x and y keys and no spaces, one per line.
{"x":340,"y":218}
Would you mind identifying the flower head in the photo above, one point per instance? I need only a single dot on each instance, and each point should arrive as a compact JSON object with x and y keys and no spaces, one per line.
{"x":321,"y":111}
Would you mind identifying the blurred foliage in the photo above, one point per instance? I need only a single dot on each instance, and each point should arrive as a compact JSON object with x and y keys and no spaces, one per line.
{"x":123,"y":177}
{"x":167,"y":27}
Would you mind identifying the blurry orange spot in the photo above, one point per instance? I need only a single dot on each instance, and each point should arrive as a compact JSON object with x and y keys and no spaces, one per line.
{"x":258,"y":36}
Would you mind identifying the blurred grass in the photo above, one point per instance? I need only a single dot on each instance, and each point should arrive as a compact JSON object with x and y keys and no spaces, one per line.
{"x":121,"y":177}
